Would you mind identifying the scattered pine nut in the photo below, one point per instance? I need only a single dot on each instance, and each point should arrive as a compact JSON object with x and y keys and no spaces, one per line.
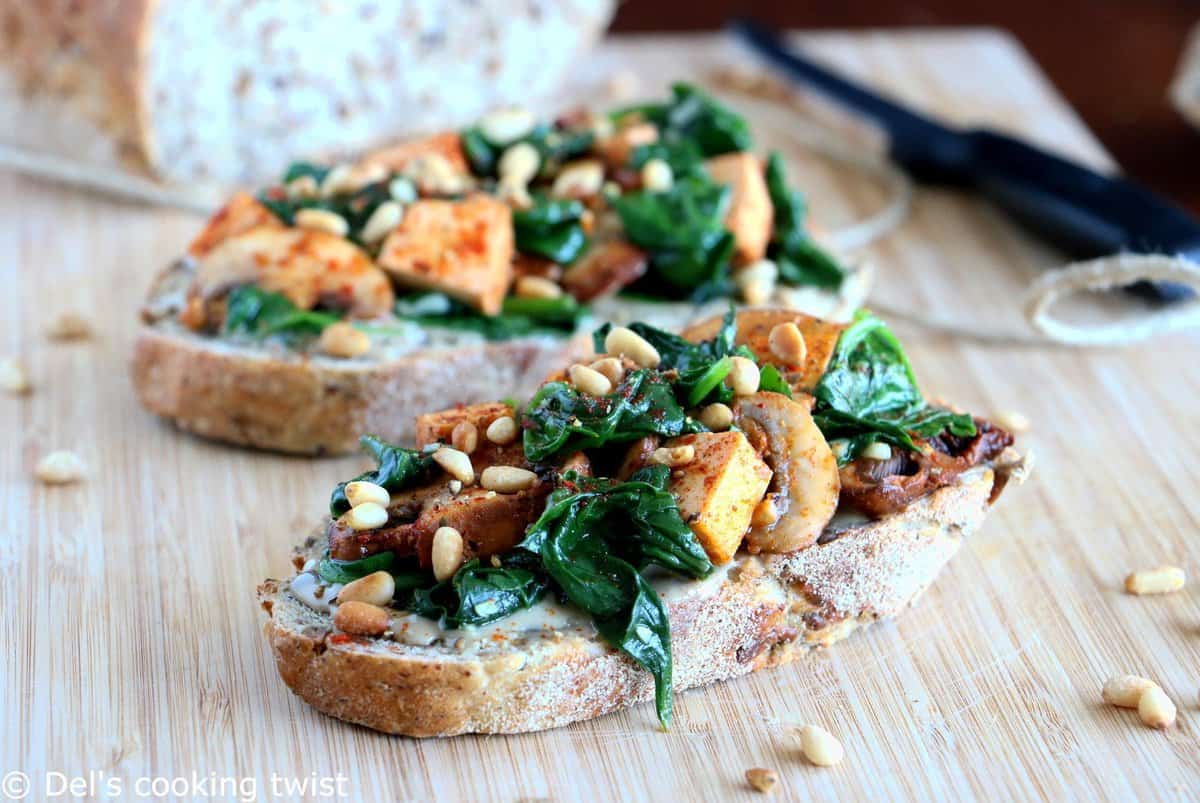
{"x":786,"y":343}
{"x":361,"y":618}
{"x":367,"y":516}
{"x":1012,"y":420}
{"x":507,"y":479}
{"x":360,"y":492}
{"x":537,"y":287}
{"x":762,"y":779}
{"x":657,"y":176}
{"x":878,"y":451}
{"x":622,"y":341}
{"x":820,"y":746}
{"x":502,"y":126}
{"x":465,"y":437}
{"x":456,"y":464}
{"x":1156,"y":709}
{"x":612,"y":369}
{"x":322,"y":220}
{"x":717,"y":417}
{"x":580,"y":179}
{"x":743,"y":377}
{"x":1124,"y":691}
{"x":386,"y":217}
{"x":765,"y":512}
{"x":503,"y":430}
{"x":1160,"y":580}
{"x":446,"y":552}
{"x":519,"y":163}
{"x":337,"y":181}
{"x":69,"y":326}
{"x":302,"y":187}
{"x":376,"y":588}
{"x":343,"y":340}
{"x":674,"y":455}
{"x":60,"y":468}
{"x":589,"y":381}
{"x":13,"y":378}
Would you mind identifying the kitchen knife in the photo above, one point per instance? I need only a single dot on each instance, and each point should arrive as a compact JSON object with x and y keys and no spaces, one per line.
{"x":1085,"y":213}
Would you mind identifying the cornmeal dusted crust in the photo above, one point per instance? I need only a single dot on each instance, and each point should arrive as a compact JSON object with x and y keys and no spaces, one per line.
{"x":767,"y":612}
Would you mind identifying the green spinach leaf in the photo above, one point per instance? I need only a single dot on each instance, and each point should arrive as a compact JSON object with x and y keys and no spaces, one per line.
{"x":518,"y":316}
{"x":354,"y":207}
{"x":771,"y":380}
{"x":478,"y":594}
{"x":347,"y":571}
{"x":800,"y":260}
{"x":869,"y":393}
{"x":555,"y":145}
{"x":693,"y":115}
{"x":399,"y":468}
{"x":551,"y":229}
{"x":253,"y":311}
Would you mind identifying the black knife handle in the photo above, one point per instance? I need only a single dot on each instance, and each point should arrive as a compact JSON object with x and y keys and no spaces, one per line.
{"x":1086,"y":214}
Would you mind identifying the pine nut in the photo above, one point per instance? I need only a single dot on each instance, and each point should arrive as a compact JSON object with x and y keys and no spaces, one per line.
{"x":343,"y":340}
{"x":359,"y":492}
{"x":435,"y":175}
{"x":456,"y":464}
{"x":376,"y":588}
{"x":757,"y":281}
{"x":787,"y":343}
{"x":622,"y":341}
{"x":657,"y":176}
{"x":1161,"y":580}
{"x":762,"y":779}
{"x":402,"y":190}
{"x":361,"y":619}
{"x":386,"y":217}
{"x":1013,"y":421}
{"x":765,"y":513}
{"x":502,"y":126}
{"x":580,"y":179}
{"x":69,"y":326}
{"x":447,"y":552}
{"x":518,"y":163}
{"x":589,"y":381}
{"x":673,"y":455}
{"x":322,"y":220}
{"x":367,"y":516}
{"x":302,"y":187}
{"x":1156,"y":709}
{"x":60,"y":468}
{"x":1124,"y":691}
{"x":338,"y":181}
{"x":503,"y":430}
{"x":820,"y":746}
{"x":877,"y":451}
{"x":743,"y":376}
{"x":465,"y":437}
{"x":507,"y":479}
{"x":611,"y":368}
{"x":717,"y":417}
{"x":537,"y":287}
{"x":455,"y":486}
{"x":13,"y":378}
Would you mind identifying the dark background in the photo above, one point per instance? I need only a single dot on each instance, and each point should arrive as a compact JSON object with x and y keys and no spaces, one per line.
{"x":1113,"y":61}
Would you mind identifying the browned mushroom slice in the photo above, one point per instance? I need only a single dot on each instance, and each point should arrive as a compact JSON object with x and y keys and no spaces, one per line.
{"x":605,"y":269}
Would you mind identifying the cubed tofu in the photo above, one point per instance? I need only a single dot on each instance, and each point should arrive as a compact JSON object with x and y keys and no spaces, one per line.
{"x":718,"y":491}
{"x":395,"y":158}
{"x":461,"y":248}
{"x":617,"y":148}
{"x":439,"y":428}
{"x":242,"y":213}
{"x":750,"y":213}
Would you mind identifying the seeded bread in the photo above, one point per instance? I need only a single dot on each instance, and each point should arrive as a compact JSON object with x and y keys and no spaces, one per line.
{"x":764,"y":612}
{"x":228,"y":90}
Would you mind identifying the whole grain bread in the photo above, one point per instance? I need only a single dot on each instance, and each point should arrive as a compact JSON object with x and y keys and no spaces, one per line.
{"x":764,"y":612}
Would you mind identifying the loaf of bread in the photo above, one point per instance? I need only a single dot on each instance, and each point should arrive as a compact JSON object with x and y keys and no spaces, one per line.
{"x":227,"y":91}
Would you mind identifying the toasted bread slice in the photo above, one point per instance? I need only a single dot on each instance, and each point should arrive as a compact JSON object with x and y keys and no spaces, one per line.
{"x":545,"y":667}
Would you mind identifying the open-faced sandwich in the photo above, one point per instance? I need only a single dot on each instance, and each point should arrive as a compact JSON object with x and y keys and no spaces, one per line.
{"x":678,"y":511}
{"x":458,"y":268}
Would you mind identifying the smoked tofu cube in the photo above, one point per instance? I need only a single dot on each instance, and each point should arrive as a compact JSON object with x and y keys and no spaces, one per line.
{"x":242,"y":213}
{"x":750,"y":213}
{"x":461,"y":248}
{"x":445,"y":147}
{"x":718,"y":491}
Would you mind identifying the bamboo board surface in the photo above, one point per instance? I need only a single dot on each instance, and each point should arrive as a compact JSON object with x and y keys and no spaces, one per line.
{"x":132,"y":644}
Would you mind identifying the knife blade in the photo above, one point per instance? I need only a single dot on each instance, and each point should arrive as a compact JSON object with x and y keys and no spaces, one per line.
{"x":1086,"y":213}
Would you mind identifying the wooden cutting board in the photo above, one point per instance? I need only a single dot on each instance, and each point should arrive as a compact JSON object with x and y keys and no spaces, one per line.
{"x":133,"y":645}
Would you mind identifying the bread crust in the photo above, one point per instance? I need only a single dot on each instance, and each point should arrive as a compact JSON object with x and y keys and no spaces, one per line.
{"x":767,"y":611}
{"x":292,"y":402}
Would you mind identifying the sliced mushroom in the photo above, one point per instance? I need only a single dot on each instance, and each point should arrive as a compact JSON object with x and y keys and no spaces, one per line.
{"x":605,"y":269}
{"x":805,"y":484}
{"x":306,"y":265}
{"x":754,"y":331}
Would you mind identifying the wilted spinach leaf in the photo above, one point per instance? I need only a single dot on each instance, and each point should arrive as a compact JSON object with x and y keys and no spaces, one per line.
{"x":800,"y":260}
{"x":869,"y":393}
{"x":595,"y":536}
{"x":518,"y":316}
{"x":347,"y":571}
{"x":398,"y":469}
{"x":478,"y":594}
{"x":560,"y":418}
{"x":696,"y":116}
{"x":355,"y":207}
{"x":554,"y":145}
{"x":551,"y":229}
{"x":253,"y":311}
{"x":770,"y":379}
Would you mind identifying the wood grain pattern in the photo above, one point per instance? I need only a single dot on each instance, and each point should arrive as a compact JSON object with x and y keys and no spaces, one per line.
{"x":133,"y":647}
